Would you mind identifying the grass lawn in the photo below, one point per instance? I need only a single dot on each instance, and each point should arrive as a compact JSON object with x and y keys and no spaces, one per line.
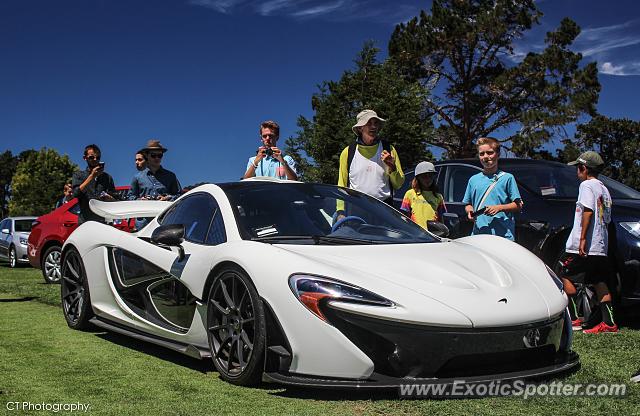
{"x":42,"y":360}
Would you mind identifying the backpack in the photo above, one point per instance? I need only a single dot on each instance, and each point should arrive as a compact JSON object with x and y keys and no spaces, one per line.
{"x":352,"y":152}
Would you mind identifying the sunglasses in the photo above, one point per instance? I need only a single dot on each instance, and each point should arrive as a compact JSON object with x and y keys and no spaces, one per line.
{"x":92,"y":157}
{"x":270,"y":136}
{"x":156,"y":155}
{"x":139,"y":160}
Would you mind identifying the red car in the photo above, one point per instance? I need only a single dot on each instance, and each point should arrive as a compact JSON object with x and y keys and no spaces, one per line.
{"x":49,"y":232}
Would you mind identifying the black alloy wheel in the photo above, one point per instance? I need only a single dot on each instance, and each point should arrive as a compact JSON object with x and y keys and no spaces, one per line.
{"x":236,"y":328}
{"x":13,"y":257}
{"x":74,"y":291}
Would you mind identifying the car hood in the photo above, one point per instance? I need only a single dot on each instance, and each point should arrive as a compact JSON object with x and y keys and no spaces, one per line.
{"x":486,"y":289}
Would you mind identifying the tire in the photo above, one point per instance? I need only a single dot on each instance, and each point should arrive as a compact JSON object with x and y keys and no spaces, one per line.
{"x":236,"y":328}
{"x":585,"y":297}
{"x":51,"y":264}
{"x":74,"y":291}
{"x":13,"y":257}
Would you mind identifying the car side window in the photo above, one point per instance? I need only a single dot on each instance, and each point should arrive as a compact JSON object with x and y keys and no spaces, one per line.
{"x":457,"y":181}
{"x":217,"y":234}
{"x":75,"y":209}
{"x":195,"y":212}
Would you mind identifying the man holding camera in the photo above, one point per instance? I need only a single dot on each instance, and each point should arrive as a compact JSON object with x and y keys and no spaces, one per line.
{"x":92,"y":183}
{"x":269,"y":160}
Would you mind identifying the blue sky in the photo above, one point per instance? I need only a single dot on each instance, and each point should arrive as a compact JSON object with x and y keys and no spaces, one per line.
{"x":200,"y":75}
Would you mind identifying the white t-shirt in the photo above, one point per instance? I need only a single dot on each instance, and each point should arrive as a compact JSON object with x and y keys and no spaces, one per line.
{"x":369,"y":175}
{"x":595,"y":196}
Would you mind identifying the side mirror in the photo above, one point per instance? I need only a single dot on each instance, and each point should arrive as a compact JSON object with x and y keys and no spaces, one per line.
{"x":452,"y":221}
{"x":169,"y":235}
{"x":438,"y":229}
{"x":6,"y":231}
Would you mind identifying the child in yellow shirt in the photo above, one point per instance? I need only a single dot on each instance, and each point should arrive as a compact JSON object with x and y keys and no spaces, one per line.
{"x":423,"y":202}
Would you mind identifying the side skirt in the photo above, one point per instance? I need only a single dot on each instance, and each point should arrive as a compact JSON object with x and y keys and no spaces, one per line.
{"x":186,"y":349}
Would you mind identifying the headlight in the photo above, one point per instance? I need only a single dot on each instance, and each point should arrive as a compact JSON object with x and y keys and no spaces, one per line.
{"x":632,"y":227}
{"x":23,"y":241}
{"x":311,"y":291}
{"x":555,"y":279}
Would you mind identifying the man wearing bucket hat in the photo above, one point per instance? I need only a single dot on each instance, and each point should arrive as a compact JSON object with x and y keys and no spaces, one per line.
{"x":423,"y":202}
{"x":587,"y":245}
{"x":370,"y":165}
{"x":154,"y":181}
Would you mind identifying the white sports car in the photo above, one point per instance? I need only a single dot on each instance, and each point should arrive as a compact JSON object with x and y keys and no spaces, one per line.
{"x":316,"y":285}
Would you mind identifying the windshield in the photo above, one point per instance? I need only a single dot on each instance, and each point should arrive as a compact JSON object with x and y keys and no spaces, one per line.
{"x":23,"y":226}
{"x":558,"y":181}
{"x":299,"y":213}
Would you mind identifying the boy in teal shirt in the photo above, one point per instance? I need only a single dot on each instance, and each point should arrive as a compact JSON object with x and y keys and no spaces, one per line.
{"x":492,"y":196}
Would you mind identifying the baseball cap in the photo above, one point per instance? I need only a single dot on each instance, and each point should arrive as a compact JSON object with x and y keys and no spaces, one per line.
{"x":424,"y":167}
{"x":590,"y":159}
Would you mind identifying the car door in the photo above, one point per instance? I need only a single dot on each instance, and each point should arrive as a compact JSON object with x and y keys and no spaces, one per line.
{"x":158,"y":294}
{"x":5,"y":237}
{"x":453,"y":182}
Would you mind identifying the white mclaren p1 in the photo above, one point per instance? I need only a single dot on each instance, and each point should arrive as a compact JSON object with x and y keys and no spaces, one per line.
{"x":316,"y":285}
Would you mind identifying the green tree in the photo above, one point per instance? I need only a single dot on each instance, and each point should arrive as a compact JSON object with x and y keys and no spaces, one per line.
{"x":8,"y":164}
{"x":618,"y":142}
{"x":372,"y":84}
{"x":464,"y":51}
{"x":38,"y":182}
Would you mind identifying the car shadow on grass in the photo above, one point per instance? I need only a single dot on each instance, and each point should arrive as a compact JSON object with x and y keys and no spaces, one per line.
{"x":162,"y":353}
{"x":22,"y":299}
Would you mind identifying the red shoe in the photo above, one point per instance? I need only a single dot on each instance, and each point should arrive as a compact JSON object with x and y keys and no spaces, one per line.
{"x":576,"y":324}
{"x":600,"y":328}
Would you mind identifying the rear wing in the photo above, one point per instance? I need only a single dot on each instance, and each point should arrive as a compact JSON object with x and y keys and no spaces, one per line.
{"x":128,"y":209}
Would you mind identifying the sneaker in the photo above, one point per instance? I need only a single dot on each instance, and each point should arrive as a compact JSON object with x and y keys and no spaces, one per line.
{"x":576,"y":324}
{"x":595,"y":317}
{"x":601,"y":327}
{"x":636,"y":377}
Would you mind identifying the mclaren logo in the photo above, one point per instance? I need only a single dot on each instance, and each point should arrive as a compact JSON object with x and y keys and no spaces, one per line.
{"x":503,"y":300}
{"x":532,"y":338}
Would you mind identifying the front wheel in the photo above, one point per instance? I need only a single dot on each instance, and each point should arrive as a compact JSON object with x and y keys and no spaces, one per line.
{"x":74,"y":291}
{"x":236,"y":327}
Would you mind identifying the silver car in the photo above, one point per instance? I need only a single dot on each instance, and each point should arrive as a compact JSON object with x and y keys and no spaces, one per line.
{"x":14,"y":232}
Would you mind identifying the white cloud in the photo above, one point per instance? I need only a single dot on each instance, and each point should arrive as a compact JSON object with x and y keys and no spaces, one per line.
{"x":222,"y":6}
{"x":600,"y":40}
{"x":628,"y":69}
{"x":338,"y":10}
{"x":318,"y":10}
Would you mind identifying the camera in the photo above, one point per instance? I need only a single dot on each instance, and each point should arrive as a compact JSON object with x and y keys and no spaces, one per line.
{"x":101,"y":164}
{"x":268,"y":151}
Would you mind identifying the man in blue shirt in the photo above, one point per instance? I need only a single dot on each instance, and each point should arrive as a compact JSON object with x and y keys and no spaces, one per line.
{"x":269,"y":161}
{"x":492,"y":196}
{"x":154,"y":181}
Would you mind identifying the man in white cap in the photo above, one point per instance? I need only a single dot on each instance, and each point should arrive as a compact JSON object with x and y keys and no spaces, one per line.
{"x":370,"y":165}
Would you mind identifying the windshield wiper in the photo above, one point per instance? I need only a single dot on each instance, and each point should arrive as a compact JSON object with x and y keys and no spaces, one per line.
{"x":317,"y":239}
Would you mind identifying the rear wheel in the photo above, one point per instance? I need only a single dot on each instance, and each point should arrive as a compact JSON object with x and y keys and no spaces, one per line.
{"x":74,"y":291}
{"x":51,"y":264}
{"x":236,"y":328}
{"x":13,"y":257}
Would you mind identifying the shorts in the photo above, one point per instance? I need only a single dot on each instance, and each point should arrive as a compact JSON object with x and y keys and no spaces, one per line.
{"x":596,"y":269}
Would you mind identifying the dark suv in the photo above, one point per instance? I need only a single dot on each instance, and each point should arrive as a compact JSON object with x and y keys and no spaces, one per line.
{"x":549,"y":191}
